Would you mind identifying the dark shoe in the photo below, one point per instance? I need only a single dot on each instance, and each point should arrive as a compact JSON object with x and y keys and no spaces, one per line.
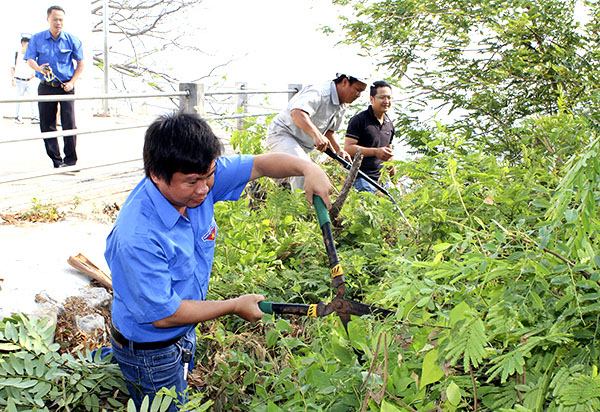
{"x":61,"y":164}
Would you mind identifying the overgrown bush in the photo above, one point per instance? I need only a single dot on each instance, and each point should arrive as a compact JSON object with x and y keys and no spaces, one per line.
{"x":495,"y":294}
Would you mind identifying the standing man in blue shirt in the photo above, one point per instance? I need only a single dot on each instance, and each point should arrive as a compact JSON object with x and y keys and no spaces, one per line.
{"x":372,"y":132}
{"x":161,"y":248}
{"x":52,"y":53}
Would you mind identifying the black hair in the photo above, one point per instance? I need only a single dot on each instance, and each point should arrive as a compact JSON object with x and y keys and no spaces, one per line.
{"x":179,"y":142}
{"x":341,"y":77}
{"x":376,"y":85}
{"x":24,"y":39}
{"x":57,"y":8}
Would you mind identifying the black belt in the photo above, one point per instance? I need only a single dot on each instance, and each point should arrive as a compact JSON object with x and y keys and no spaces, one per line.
{"x":123,"y":341}
{"x":23,"y":80}
{"x":53,"y":84}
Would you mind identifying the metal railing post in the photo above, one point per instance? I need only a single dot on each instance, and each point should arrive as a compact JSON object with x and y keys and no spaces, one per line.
{"x":187,"y":104}
{"x":294,"y":86}
{"x":201,"y":100}
{"x":105,"y":108}
{"x":241,"y":104}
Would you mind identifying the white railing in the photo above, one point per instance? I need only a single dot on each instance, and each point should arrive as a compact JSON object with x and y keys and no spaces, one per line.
{"x":190,"y":97}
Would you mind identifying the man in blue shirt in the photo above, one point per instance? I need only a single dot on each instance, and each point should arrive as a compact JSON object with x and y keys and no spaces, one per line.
{"x":160,"y":251}
{"x":51,"y":54}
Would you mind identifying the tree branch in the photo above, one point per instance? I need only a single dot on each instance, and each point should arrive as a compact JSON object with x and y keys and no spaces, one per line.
{"x":339,"y":202}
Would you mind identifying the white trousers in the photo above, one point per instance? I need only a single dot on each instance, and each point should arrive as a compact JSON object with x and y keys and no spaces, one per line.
{"x":25,"y":88}
{"x":282,"y":142}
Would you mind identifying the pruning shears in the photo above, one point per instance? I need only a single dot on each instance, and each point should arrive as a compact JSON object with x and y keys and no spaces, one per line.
{"x":343,"y":307}
{"x":49,"y":75}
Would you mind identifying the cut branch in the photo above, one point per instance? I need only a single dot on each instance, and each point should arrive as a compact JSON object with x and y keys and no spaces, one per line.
{"x":348,"y":183}
{"x":474,"y":388}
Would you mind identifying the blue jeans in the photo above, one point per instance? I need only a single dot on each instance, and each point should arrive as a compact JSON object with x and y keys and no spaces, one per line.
{"x":362,"y":185}
{"x":147,"y":371}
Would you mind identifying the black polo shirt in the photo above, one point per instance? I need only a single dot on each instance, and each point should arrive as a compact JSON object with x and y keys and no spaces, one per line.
{"x":365,"y":128}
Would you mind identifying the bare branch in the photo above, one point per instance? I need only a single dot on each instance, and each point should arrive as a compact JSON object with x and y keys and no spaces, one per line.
{"x":348,"y":183}
{"x":140,"y":32}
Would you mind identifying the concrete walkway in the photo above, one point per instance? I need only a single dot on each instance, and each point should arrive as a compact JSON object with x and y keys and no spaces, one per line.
{"x":34,"y":261}
{"x":20,"y":160}
{"x":120,"y":151}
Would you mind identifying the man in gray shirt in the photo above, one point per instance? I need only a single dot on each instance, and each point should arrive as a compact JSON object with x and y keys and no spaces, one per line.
{"x":311,"y":118}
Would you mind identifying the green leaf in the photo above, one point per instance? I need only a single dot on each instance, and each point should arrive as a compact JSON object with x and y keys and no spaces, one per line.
{"x":11,"y":407}
{"x":131,"y":407}
{"x":114,"y":403}
{"x":145,"y":404}
{"x":458,"y":313}
{"x":537,"y":300}
{"x":342,"y":353}
{"x":571,"y":215}
{"x":541,"y":203}
{"x":272,"y":337}
{"x":284,"y":326}
{"x":156,"y":403}
{"x":271,"y":407}
{"x":17,"y":364}
{"x":10,"y":332}
{"x":249,"y":378}
{"x":440,"y":247}
{"x":388,"y":407}
{"x":430,"y":371}
{"x":453,"y":394}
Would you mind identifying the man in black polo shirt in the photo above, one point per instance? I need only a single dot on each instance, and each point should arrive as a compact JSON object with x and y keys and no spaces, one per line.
{"x":372,"y":132}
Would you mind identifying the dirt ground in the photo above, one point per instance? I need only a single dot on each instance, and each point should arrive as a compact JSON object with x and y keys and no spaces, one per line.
{"x":36,"y":244}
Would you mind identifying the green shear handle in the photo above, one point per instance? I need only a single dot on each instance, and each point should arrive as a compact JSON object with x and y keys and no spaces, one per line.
{"x":338,"y":282}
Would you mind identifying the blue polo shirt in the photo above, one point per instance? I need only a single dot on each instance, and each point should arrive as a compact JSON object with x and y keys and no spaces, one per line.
{"x":157,"y":257}
{"x":59,"y":53}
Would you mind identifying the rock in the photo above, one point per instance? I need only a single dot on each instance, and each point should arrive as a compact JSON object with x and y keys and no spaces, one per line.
{"x":89,"y":323}
{"x":96,"y":297}
{"x":46,"y":310}
{"x":43,"y":298}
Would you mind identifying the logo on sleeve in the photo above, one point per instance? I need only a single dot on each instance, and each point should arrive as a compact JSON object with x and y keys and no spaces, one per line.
{"x":211,"y":234}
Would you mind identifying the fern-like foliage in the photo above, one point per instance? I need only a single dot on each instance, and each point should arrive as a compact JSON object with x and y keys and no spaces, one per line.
{"x":513,"y":361}
{"x":35,"y":376}
{"x":578,"y":393}
{"x":468,"y":342}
